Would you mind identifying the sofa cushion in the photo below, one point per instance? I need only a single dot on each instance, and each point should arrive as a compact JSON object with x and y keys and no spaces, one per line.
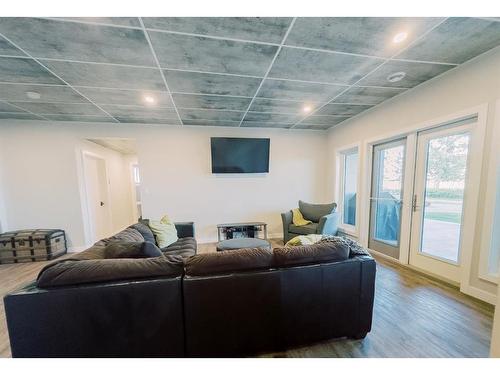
{"x":181,"y":243}
{"x":184,"y":253}
{"x":303,"y":229}
{"x":321,"y":252}
{"x":314,"y":212}
{"x":145,"y":231}
{"x":127,"y":235}
{"x":74,"y":271}
{"x":229,"y":261}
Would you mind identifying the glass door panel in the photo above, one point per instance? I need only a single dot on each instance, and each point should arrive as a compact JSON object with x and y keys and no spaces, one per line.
{"x":386,"y":197}
{"x":444,"y":194}
{"x":438,"y":201}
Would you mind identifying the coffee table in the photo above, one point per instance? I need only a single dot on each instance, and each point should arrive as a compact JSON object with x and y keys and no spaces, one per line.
{"x":241,"y":243}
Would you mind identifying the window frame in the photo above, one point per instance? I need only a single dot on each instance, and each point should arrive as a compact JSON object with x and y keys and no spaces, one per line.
{"x":352,"y":230}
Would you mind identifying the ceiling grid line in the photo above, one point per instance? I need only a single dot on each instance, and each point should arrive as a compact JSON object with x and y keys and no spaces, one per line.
{"x":371,"y":72}
{"x":211,"y":96}
{"x":25,"y":110}
{"x":55,"y":75}
{"x":160,"y":69}
{"x":270,"y":67}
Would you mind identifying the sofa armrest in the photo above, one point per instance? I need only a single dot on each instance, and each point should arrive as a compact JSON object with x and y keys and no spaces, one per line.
{"x":286,"y":217}
{"x":185,"y":229}
{"x":329,"y":224}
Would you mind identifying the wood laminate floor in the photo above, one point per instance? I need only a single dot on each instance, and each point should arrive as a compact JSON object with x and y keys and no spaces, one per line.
{"x":414,"y":316}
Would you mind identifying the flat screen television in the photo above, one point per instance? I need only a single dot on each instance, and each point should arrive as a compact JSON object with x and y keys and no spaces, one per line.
{"x":240,"y":155}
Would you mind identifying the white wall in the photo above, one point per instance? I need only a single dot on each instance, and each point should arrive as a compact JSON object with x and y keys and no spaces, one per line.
{"x":42,"y":180}
{"x":469,"y":85}
{"x":42,"y":186}
{"x":177,"y":179}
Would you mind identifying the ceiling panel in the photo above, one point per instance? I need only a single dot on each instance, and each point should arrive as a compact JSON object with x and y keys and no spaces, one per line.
{"x":19,"y":70}
{"x":367,"y":95}
{"x":321,"y":67}
{"x":416,"y":73}
{"x":303,"y":126}
{"x":211,"y":102}
{"x":47,"y":93}
{"x":456,"y":40}
{"x":212,"y":55}
{"x":117,"y":21}
{"x":264,"y":124}
{"x":272,"y":117}
{"x":213,"y":69}
{"x":126,"y":97}
{"x":260,"y":29}
{"x":109,"y":76}
{"x":60,"y":108}
{"x":6,"y":107}
{"x":211,"y":123}
{"x":361,"y":35}
{"x":217,"y":84}
{"x":279,"y":106}
{"x":324,"y":120}
{"x":78,"y":41}
{"x":342,"y":109}
{"x":207,"y":114}
{"x":18,"y":116}
{"x":79,"y":118}
{"x":303,"y":91}
{"x":138,"y":111}
{"x":8,"y":49}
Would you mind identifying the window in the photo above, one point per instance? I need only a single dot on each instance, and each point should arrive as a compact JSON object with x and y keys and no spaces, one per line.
{"x":349,"y":186}
{"x":137,"y":186}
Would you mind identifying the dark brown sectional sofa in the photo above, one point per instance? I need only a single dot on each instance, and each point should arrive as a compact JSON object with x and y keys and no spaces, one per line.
{"x":231,"y":303}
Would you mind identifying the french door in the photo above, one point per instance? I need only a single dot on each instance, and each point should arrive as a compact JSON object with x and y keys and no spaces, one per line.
{"x":438,"y":199}
{"x":386,"y":197}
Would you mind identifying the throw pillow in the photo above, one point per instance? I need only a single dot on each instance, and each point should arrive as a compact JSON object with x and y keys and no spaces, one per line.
{"x":164,"y":231}
{"x":297,"y":218}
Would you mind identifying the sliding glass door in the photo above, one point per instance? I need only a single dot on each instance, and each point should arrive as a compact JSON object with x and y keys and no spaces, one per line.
{"x":386,"y":197}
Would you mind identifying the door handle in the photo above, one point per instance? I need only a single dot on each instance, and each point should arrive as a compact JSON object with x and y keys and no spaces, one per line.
{"x":102,"y":204}
{"x":414,"y":203}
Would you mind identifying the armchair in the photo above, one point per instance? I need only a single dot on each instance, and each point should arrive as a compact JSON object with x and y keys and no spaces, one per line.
{"x":323,"y":216}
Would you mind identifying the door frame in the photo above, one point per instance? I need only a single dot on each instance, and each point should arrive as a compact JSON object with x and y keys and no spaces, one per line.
{"x":87,"y":216}
{"x":476,"y":166}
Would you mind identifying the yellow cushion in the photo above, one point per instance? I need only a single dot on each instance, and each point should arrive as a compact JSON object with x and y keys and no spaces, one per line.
{"x":308,"y":239}
{"x":297,"y":218}
{"x":164,"y":231}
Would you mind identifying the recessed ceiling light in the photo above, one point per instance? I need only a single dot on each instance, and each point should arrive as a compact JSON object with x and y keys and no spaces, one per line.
{"x":399,"y":37}
{"x":33,"y":95}
{"x":148,"y":99}
{"x":396,"y":77}
{"x":307,"y":108}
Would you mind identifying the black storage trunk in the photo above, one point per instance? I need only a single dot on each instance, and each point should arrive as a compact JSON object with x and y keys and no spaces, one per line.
{"x":32,"y":245}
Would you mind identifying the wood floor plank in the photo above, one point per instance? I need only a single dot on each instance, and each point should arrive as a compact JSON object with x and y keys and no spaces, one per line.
{"x":414,"y":316}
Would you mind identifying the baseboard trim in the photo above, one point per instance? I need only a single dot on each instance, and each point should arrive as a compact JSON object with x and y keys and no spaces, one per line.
{"x":465,"y":289}
{"x":479,"y":294}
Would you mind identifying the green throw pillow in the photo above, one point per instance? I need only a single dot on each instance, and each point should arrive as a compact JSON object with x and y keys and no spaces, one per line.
{"x":164,"y":231}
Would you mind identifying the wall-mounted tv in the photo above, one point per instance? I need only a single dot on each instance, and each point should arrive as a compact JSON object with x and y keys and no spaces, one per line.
{"x":240,"y":155}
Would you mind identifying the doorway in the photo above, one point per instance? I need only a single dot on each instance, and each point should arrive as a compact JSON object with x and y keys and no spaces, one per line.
{"x":96,"y":187}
